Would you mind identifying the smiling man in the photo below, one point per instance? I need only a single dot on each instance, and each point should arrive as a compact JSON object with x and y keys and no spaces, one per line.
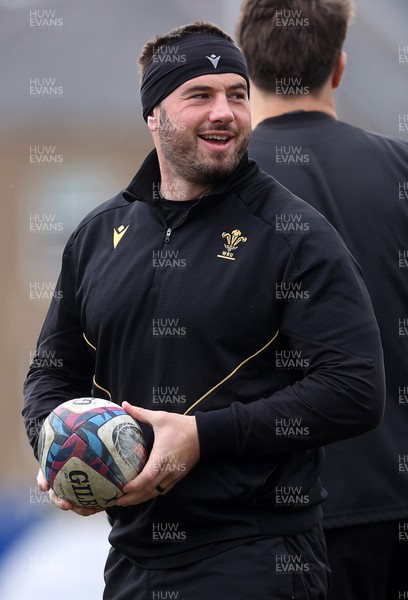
{"x":231,"y":321}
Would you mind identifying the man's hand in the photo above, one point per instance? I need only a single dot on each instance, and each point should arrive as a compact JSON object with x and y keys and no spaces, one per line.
{"x":175,"y":452}
{"x":60,"y":502}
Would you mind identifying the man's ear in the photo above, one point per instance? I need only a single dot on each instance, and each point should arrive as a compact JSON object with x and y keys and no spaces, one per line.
{"x":153,"y":120}
{"x":339,"y":69}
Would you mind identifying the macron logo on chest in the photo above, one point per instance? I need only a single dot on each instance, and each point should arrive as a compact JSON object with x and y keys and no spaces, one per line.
{"x":214,"y":60}
{"x":118,"y":234}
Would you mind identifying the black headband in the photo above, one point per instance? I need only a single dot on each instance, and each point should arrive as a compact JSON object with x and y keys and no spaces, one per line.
{"x":191,"y":56}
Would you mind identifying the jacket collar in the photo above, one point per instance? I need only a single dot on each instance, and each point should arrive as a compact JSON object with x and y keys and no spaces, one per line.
{"x":146,"y":183}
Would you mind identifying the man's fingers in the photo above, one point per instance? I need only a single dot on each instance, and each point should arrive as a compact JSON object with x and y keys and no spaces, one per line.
{"x":60,"y":502}
{"x":137,"y":495}
{"x":142,"y":487}
{"x":144,"y":481}
{"x":65,"y":505}
{"x":141,"y":414}
{"x":153,"y":481}
{"x":56,"y":500}
{"x":86,"y":512}
{"x":136,"y":412}
{"x":42,"y":482}
{"x":165,"y":486}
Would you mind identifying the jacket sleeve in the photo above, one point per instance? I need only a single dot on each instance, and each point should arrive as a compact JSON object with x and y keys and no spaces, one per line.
{"x":334,"y":334}
{"x":62,"y":367}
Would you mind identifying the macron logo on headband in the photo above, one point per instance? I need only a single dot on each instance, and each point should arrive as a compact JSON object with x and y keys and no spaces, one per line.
{"x":214,"y":60}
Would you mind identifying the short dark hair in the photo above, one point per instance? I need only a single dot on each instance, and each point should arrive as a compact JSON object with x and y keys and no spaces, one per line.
{"x":151,"y":47}
{"x":293,"y":39}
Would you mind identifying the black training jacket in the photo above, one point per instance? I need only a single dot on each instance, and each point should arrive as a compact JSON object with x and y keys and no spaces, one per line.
{"x":250,"y":314}
{"x":359,"y":181}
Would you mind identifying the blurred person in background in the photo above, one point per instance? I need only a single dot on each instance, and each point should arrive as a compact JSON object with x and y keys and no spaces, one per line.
{"x":358,"y":181}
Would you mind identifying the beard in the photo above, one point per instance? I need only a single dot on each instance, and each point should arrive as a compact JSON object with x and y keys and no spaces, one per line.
{"x":181,"y":151}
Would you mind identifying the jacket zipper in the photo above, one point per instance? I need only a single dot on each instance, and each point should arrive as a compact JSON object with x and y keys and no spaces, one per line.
{"x":169,"y":230}
{"x":168,"y":234}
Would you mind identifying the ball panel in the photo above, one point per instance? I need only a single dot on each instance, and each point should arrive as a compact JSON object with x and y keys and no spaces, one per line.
{"x":79,"y":483}
{"x":53,"y":435}
{"x":126,"y":445}
{"x":75,"y":414}
{"x":81,"y":405}
{"x":45,"y":440}
{"x":59,"y":425}
{"x":75,"y":447}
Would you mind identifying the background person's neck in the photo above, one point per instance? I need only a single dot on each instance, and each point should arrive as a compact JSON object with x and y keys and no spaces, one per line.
{"x":265,"y":105}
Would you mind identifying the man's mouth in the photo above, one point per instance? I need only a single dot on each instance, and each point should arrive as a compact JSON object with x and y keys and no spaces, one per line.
{"x":217,"y":139}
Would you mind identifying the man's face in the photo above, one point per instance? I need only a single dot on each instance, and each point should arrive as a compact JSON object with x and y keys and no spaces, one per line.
{"x":204,"y":127}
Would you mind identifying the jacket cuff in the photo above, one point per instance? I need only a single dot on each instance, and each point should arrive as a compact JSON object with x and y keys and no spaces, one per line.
{"x":216,"y":432}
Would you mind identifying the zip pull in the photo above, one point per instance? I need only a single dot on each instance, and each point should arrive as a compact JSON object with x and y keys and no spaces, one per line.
{"x":168,"y":234}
